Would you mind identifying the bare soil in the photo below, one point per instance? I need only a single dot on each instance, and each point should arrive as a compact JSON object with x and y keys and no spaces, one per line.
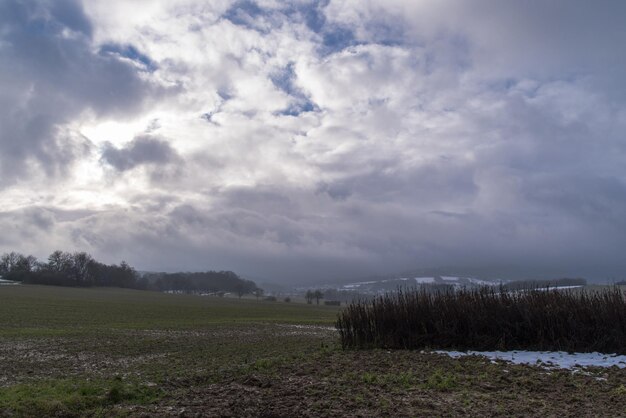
{"x":396,"y":384}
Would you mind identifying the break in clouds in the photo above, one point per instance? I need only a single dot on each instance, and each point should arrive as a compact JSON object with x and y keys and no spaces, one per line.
{"x":314,"y":140}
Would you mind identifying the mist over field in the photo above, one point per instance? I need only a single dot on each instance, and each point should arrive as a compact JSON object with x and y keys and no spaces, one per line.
{"x":312,"y":141}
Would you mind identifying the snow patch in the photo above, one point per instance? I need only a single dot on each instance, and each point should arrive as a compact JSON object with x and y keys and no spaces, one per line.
{"x":547,"y":359}
{"x":481,"y":282}
{"x":559,"y":288}
{"x":357,"y":284}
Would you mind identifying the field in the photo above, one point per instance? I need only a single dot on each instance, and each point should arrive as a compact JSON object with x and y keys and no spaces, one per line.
{"x":104,"y":352}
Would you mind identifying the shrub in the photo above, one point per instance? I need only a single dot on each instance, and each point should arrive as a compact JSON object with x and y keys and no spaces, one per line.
{"x":488,"y":319}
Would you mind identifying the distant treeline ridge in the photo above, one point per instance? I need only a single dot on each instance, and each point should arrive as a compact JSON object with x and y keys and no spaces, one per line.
{"x":80,"y":269}
{"x":205,"y":282}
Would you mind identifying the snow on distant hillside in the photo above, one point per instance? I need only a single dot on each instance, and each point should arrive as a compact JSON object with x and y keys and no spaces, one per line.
{"x":424,"y":280}
{"x":357,"y":285}
{"x":381,"y":286}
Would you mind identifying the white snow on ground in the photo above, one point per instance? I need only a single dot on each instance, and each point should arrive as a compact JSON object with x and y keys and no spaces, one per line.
{"x":560,"y":287}
{"x":424,"y":280}
{"x":482,"y":282}
{"x":547,"y":359}
{"x":542,"y":289}
{"x":357,"y":284}
{"x":315,"y":327}
{"x":8,"y":283}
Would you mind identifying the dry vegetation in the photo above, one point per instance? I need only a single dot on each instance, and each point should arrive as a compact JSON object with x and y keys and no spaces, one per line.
{"x":489,"y":319}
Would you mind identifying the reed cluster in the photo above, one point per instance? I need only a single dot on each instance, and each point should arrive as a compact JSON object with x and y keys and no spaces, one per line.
{"x":488,"y":319}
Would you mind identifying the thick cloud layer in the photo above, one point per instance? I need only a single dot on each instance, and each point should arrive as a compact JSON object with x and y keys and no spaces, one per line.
{"x":314,"y":140}
{"x":51,"y":73}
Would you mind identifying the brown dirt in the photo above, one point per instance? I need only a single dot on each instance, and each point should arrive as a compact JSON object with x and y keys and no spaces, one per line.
{"x":367,"y":384}
{"x":296,"y":371}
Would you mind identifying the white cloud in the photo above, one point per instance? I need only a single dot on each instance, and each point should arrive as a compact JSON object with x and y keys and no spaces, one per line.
{"x":337,"y":139}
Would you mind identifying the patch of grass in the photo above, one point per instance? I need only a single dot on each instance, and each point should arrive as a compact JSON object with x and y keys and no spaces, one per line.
{"x":42,"y":311}
{"x":266,"y":364}
{"x":62,"y":397}
{"x":369,"y":378}
{"x":441,"y":381}
{"x":402,"y":380}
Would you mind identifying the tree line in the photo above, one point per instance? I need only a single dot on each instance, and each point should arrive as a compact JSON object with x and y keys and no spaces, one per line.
{"x":217,"y":282}
{"x":80,"y":269}
{"x":313,"y":294}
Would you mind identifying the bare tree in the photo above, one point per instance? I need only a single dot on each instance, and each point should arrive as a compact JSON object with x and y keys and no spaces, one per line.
{"x":82,"y":268}
{"x":318,"y":295}
{"x":8,"y":262}
{"x":240,"y":289}
{"x":25,"y":264}
{"x":59,"y":261}
{"x":17,"y":266}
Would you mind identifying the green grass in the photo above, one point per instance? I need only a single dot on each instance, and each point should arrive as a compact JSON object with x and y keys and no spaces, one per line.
{"x":62,"y":397}
{"x":54,"y":311}
{"x":441,"y":381}
{"x":76,"y":351}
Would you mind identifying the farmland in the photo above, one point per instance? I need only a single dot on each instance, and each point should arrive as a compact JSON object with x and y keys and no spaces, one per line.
{"x":110,"y":351}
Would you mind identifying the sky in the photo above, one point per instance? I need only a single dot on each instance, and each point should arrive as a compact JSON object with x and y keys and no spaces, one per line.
{"x":299,"y":141}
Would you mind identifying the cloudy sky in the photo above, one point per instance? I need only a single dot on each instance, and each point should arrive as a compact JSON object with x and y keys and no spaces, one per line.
{"x":314,"y":140}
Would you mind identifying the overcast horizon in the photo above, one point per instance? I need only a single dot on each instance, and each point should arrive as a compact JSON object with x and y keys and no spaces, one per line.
{"x":317,"y":140}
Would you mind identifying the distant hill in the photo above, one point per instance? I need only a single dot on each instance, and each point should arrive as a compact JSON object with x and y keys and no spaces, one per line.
{"x":389,"y":285}
{"x":372,"y":287}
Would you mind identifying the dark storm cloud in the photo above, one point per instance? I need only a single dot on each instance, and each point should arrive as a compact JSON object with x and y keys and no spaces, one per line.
{"x":142,"y":150}
{"x":447,"y":181}
{"x":25,"y":226}
{"x":50,"y":74}
{"x":297,"y":236}
{"x":593,"y":200}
